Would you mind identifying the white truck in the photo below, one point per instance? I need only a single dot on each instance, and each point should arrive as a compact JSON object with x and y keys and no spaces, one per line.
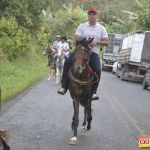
{"x":111,"y":51}
{"x":134,"y":56}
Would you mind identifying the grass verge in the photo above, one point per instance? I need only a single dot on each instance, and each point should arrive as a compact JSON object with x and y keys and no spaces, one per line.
{"x":17,"y":76}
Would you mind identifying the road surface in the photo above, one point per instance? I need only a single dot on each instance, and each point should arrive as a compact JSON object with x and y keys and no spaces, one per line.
{"x":40,"y":119}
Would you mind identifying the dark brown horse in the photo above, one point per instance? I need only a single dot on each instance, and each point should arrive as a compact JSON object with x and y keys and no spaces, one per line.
{"x":80,"y":86}
{"x":4,"y":137}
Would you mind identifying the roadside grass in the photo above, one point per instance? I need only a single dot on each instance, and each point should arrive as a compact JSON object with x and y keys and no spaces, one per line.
{"x":17,"y":76}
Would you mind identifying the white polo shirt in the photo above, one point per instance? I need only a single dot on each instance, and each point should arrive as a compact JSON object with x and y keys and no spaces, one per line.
{"x":65,"y":47}
{"x":85,"y":30}
{"x":55,"y":44}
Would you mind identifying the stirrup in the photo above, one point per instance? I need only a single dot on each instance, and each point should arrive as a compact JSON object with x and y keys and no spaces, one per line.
{"x":62,"y":91}
{"x":95,"y":97}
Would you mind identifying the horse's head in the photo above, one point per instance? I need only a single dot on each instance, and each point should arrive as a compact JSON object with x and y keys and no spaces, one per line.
{"x":48,"y":50}
{"x":82,"y":54}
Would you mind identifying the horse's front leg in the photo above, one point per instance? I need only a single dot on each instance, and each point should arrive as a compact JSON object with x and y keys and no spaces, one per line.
{"x":73,"y":140}
{"x":89,"y":115}
{"x":85,"y":116}
{"x":55,"y":71}
{"x":84,"y":127}
{"x":61,"y":69}
{"x":57,"y":75}
{"x":49,"y":72}
{"x":73,"y":123}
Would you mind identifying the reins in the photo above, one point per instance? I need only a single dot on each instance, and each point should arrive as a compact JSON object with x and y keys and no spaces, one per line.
{"x":84,"y":82}
{"x":85,"y":43}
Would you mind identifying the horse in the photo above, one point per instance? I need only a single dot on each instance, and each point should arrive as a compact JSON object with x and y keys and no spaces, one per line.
{"x":4,"y":137}
{"x":59,"y":64}
{"x":80,"y":83}
{"x":51,"y":61}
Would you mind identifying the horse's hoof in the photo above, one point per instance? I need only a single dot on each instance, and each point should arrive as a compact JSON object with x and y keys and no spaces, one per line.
{"x":88,"y":127}
{"x":84,"y":129}
{"x":73,"y":141}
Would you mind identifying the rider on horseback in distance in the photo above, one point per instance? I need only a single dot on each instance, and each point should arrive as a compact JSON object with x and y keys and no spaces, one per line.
{"x":90,"y":29}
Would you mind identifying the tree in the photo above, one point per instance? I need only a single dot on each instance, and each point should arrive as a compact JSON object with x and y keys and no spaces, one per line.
{"x":26,"y":12}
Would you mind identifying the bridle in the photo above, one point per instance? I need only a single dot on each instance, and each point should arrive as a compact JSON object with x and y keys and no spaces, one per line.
{"x":82,"y":56}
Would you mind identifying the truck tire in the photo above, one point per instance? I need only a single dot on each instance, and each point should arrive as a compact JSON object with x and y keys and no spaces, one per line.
{"x":145,"y":86}
{"x":118,"y":76}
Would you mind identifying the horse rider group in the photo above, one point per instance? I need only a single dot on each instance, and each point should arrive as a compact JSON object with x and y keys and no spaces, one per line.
{"x":60,"y":44}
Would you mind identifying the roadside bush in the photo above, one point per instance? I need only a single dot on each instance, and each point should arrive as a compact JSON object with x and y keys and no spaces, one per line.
{"x":143,"y":19}
{"x":3,"y":59}
{"x":14,"y":40}
{"x":42,"y":37}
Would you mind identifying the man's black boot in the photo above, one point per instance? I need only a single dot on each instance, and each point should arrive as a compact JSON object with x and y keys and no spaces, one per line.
{"x":62,"y":91}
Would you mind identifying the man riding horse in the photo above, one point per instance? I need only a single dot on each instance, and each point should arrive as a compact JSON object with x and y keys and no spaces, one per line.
{"x":64,"y":46}
{"x":55,"y":43}
{"x":90,"y":29}
{"x":62,"y":54}
{"x":55,"y":46}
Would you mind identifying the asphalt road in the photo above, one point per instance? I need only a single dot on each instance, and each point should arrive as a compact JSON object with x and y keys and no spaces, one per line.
{"x":40,"y":119}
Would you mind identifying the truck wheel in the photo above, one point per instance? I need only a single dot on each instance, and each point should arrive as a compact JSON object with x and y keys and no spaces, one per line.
{"x":145,"y":86}
{"x":118,"y":76}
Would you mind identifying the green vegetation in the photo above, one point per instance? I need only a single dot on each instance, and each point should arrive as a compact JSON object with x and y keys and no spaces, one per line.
{"x":17,"y":76}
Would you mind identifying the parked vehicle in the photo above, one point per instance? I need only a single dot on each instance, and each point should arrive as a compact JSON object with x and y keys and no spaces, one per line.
{"x":134,"y":56}
{"x":146,"y":81}
{"x":111,"y":51}
{"x":115,"y":69}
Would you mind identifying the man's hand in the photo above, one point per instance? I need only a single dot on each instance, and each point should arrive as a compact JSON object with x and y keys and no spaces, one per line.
{"x":93,"y":43}
{"x":102,"y":42}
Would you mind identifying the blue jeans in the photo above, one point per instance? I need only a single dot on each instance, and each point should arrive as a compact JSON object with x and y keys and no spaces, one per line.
{"x":94,"y":64}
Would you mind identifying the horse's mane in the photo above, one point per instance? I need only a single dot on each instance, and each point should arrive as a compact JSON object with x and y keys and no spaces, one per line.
{"x":49,"y":50}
